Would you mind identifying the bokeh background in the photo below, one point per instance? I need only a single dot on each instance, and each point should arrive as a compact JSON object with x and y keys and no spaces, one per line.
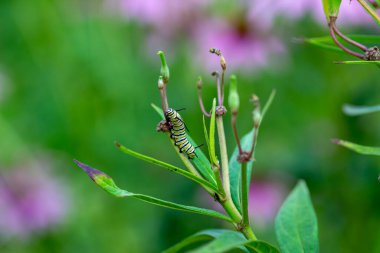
{"x":77,"y":75}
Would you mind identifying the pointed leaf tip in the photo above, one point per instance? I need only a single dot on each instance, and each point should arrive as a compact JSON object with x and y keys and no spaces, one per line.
{"x":117,"y":144}
{"x":102,"y":179}
{"x":91,"y":172}
{"x":336,"y":141}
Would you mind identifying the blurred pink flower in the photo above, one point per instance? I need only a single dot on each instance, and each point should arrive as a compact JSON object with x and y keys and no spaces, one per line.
{"x":31,"y":200}
{"x":265,"y":199}
{"x":169,"y":19}
{"x":245,"y":46}
{"x":351,"y":12}
{"x":246,"y":35}
{"x":164,"y":14}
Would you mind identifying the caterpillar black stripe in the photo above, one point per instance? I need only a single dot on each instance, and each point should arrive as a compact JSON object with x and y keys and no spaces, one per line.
{"x":177,"y":130}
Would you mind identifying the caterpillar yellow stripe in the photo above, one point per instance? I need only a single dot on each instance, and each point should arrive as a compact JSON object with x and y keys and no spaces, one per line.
{"x":177,"y":130}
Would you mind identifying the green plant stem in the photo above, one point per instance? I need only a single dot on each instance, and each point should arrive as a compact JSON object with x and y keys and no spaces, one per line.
{"x":244,"y":193}
{"x":248,"y":233}
{"x":228,"y":204}
{"x":216,"y":170}
{"x":223,"y":155}
{"x":246,"y":230}
{"x":231,"y":210}
{"x":369,"y":9}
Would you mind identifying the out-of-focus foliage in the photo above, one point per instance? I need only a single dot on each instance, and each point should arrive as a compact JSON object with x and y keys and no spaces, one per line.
{"x":354,"y":110}
{"x":76,"y":77}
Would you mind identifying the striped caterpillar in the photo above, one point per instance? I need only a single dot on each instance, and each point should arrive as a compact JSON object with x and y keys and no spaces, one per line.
{"x":177,"y":130}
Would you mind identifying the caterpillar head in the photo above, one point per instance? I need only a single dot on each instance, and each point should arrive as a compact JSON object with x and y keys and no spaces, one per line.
{"x":169,"y":112}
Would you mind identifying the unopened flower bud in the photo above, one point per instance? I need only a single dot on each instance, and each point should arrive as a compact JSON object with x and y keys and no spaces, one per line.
{"x":215,"y":51}
{"x":256,"y":118}
{"x":256,"y":114}
{"x":233,"y":96}
{"x":165,"y":73}
{"x":219,"y":53}
{"x":199,"y":83}
{"x":223,"y":62}
{"x":160,"y":83}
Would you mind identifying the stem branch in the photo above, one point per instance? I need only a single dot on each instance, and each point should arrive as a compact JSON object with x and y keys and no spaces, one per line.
{"x":340,"y":45}
{"x":244,"y":193}
{"x":216,"y":169}
{"x":348,"y":40}
{"x":248,"y":233}
{"x":231,"y":210}
{"x":225,"y":169}
{"x":199,"y":85}
{"x":234,"y":116}
{"x":223,"y":155}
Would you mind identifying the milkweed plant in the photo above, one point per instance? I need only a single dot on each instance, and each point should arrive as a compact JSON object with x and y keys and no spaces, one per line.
{"x":352,"y":45}
{"x":226,"y":178}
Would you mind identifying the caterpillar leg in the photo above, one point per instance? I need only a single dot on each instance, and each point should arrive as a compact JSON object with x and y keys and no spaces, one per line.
{"x":192,"y":154}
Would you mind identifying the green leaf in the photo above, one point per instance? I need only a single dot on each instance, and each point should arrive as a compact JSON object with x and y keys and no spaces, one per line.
{"x":364,"y":150}
{"x":234,"y":165}
{"x":327,"y":42}
{"x":107,"y":184}
{"x":206,"y":134}
{"x":158,"y":110}
{"x":261,"y":247}
{"x":235,"y":169}
{"x":167,"y":166}
{"x":268,"y":103}
{"x":358,"y":62}
{"x":204,"y":235}
{"x":331,"y":8}
{"x":296,"y":222}
{"x":224,"y":240}
{"x":212,"y":134}
{"x":201,"y":162}
{"x":353,"y":110}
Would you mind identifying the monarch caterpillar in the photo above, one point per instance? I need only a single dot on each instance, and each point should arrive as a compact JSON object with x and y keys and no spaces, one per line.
{"x":177,"y":130}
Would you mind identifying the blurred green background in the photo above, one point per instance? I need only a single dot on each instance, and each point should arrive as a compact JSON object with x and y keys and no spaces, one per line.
{"x":75,"y":77}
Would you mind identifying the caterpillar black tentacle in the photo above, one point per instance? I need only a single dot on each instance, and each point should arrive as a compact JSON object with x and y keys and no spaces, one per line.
{"x":198,"y":146}
{"x":177,"y":129}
